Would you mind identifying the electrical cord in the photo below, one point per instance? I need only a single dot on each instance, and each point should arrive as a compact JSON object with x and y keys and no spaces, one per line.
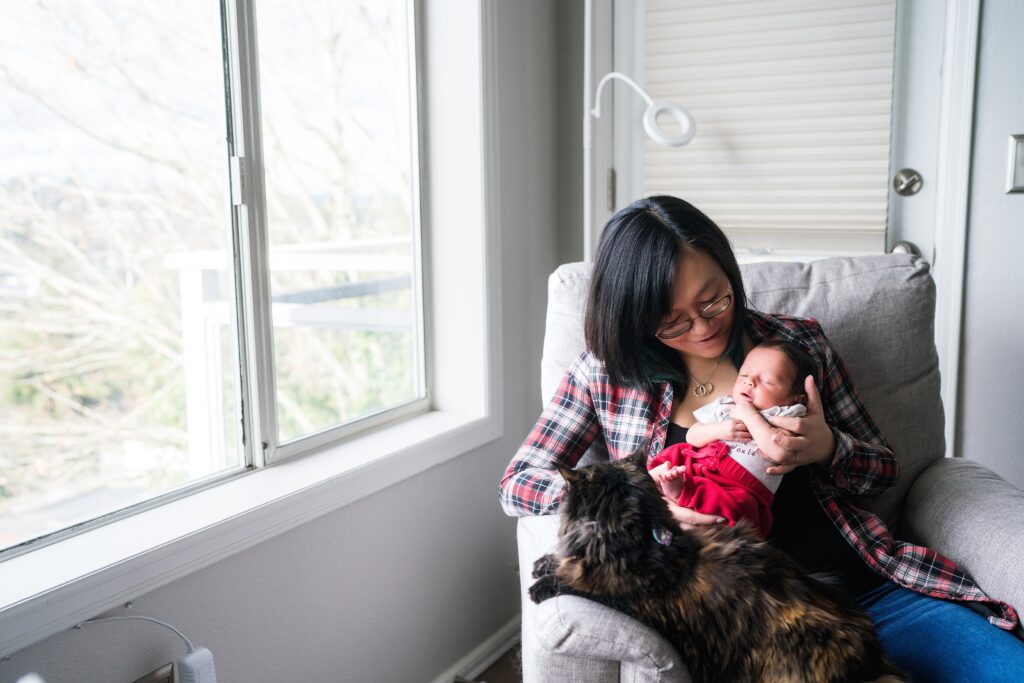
{"x":188,"y":642}
{"x":196,"y":666}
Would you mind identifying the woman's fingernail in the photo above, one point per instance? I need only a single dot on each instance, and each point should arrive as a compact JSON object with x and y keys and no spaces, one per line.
{"x":777,"y":439}
{"x":719,"y":520}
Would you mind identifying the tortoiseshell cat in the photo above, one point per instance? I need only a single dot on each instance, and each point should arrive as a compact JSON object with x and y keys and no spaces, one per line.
{"x":736,"y":608}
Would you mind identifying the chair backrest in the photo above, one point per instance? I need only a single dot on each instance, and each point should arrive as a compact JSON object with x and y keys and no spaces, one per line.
{"x":879,"y":313}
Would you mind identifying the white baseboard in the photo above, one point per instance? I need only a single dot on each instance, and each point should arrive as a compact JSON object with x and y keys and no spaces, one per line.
{"x":483,"y":655}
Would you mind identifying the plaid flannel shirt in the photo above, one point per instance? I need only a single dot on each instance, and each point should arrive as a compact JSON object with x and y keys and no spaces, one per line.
{"x":588,"y":411}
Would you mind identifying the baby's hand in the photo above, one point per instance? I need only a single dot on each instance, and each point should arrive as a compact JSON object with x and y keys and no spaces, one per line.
{"x":656,"y":472}
{"x":744,"y":410}
{"x":742,"y":407}
{"x":733,"y":430}
{"x":670,"y":479}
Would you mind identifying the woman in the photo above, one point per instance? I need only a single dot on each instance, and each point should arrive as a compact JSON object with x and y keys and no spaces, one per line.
{"x":666,"y":328}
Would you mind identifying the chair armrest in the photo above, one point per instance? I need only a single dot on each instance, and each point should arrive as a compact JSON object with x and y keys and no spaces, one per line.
{"x":970,"y":514}
{"x":569,"y":638}
{"x":577,"y":627}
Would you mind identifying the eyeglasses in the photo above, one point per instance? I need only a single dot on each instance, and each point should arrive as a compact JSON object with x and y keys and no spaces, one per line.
{"x":681,"y":327}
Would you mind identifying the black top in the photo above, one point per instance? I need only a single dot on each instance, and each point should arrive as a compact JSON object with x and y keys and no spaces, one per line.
{"x":676,"y":434}
{"x":803,"y":530}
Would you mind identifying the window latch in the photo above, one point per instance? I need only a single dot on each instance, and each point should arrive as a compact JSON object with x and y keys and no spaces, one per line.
{"x":237,"y":170}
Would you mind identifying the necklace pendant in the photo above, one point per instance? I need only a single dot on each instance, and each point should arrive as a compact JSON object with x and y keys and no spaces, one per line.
{"x":702,"y":390}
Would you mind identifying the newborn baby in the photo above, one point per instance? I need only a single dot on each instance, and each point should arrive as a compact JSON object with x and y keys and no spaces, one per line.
{"x":720,"y":470}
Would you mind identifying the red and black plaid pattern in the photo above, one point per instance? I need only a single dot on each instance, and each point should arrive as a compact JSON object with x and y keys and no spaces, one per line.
{"x":587,"y":410}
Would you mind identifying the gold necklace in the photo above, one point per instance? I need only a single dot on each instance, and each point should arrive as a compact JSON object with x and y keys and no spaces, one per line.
{"x":706,"y":387}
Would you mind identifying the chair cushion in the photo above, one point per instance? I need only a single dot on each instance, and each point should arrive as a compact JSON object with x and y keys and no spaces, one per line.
{"x":879,"y":313}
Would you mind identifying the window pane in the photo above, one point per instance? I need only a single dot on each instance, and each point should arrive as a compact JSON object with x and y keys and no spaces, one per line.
{"x":338,"y":142}
{"x":118,"y":362}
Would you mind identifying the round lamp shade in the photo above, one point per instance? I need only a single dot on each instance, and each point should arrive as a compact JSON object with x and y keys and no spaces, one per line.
{"x":687,"y":127}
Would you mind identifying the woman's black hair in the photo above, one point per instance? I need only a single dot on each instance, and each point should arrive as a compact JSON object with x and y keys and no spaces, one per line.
{"x":633,"y":282}
{"x":800,"y":359}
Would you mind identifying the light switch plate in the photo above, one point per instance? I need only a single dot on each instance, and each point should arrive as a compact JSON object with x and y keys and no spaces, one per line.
{"x":1015,"y":172}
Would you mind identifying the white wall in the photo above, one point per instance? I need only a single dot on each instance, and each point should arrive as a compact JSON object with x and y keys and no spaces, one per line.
{"x":570,"y":130}
{"x":402,"y":584}
{"x":991,"y":402}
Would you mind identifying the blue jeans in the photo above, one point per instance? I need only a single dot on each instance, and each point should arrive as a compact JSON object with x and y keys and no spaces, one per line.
{"x":941,"y":641}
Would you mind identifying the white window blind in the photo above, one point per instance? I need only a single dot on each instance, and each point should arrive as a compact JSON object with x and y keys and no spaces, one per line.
{"x":792,"y":100}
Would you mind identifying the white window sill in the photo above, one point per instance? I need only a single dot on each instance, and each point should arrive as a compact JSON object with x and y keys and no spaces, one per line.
{"x":57,"y":586}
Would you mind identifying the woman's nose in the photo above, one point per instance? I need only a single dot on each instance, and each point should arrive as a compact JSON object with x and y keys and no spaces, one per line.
{"x":698,"y":320}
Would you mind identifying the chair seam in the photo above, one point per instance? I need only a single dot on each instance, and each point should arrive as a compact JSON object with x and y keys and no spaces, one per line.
{"x":827,"y":282}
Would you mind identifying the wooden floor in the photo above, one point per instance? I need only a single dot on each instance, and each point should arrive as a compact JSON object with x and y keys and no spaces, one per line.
{"x":505,"y":670}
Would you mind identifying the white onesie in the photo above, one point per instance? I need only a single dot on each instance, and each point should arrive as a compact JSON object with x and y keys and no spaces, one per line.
{"x":747,"y":454}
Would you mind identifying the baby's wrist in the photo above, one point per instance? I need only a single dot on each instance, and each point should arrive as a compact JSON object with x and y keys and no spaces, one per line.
{"x":693,"y":434}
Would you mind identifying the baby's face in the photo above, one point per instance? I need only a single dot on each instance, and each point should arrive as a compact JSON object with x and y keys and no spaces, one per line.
{"x":765,"y":379}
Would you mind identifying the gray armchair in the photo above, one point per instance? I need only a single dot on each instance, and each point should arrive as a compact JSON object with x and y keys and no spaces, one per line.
{"x":879,"y":313}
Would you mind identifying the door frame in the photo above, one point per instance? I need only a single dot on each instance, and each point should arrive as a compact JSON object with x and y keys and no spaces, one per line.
{"x":956,"y":129}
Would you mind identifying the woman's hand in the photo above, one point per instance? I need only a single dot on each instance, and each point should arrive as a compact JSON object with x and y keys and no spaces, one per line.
{"x":801,"y":440}
{"x":688,"y":518}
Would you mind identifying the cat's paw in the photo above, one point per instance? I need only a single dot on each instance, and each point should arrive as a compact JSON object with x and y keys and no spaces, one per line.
{"x":545,"y":566}
{"x":546,"y":587}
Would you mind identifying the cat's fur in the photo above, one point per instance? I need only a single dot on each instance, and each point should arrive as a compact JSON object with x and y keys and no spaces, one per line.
{"x":736,"y":608}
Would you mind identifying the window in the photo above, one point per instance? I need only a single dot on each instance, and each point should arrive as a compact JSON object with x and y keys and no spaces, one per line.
{"x":793,"y":104}
{"x":337,"y":107}
{"x":209,"y":251}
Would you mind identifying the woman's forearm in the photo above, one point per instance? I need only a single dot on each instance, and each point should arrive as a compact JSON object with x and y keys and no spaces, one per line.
{"x":530,"y":490}
{"x":532,"y":484}
{"x":861,"y":468}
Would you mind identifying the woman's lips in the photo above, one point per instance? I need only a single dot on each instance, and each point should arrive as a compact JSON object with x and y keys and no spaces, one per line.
{"x":708,"y":340}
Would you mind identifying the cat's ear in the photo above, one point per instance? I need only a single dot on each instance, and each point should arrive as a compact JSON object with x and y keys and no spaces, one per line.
{"x":569,"y":474}
{"x":638,"y":458}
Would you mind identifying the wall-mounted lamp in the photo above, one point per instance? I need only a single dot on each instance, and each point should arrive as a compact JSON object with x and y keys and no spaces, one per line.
{"x":683,"y":120}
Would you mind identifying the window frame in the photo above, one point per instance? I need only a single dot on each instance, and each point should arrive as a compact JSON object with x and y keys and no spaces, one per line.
{"x":250,"y":217}
{"x":56,"y":585}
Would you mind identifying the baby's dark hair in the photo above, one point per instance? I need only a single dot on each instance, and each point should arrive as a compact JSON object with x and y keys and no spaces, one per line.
{"x":798,"y":357}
